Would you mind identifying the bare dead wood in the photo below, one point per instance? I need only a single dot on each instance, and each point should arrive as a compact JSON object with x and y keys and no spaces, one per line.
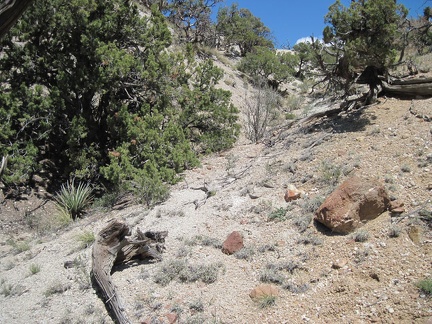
{"x":409,"y":88}
{"x":3,"y":165}
{"x":113,"y":246}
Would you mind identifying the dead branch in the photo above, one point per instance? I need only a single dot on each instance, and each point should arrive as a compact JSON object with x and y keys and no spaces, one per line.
{"x":3,"y":164}
{"x":113,"y":246}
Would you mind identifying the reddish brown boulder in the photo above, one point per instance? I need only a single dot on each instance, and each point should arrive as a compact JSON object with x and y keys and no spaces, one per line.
{"x":233,"y":243}
{"x":352,"y":204}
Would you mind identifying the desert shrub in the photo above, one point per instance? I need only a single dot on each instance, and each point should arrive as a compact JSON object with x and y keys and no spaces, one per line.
{"x":311,"y":204}
{"x":56,"y":288}
{"x":260,"y":112}
{"x":360,"y":236}
{"x":72,"y":200}
{"x":271,"y":275}
{"x":295,"y":288}
{"x":302,"y":222}
{"x":267,"y":301}
{"x":330,"y":173}
{"x":394,"y":231}
{"x":181,"y":270}
{"x":245,"y":253}
{"x":34,"y":268}
{"x":425,"y":286}
{"x":278,"y":214}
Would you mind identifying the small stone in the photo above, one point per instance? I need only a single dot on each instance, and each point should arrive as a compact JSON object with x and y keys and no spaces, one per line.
{"x":291,"y":195}
{"x":233,"y":243}
{"x":399,"y":210}
{"x":414,"y":234}
{"x":172,"y":318}
{"x":338,"y":264}
{"x":264,"y":290}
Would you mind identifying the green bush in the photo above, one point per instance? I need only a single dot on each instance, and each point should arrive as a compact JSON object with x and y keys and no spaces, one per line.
{"x":83,"y":97}
{"x":425,"y":286}
{"x":73,"y":200}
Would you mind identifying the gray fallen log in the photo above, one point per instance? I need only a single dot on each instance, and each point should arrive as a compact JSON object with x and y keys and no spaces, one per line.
{"x":112,"y":246}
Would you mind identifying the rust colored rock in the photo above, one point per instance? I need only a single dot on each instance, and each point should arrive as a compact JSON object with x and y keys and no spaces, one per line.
{"x":291,"y":195}
{"x":172,"y":318}
{"x":352,"y":204}
{"x":233,"y":243}
{"x":396,"y":207}
{"x":264,"y":290}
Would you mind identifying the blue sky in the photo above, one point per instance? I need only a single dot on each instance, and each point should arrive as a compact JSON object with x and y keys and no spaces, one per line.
{"x":290,"y":20}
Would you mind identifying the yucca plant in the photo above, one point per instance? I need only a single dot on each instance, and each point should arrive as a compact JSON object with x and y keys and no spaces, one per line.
{"x":73,"y":199}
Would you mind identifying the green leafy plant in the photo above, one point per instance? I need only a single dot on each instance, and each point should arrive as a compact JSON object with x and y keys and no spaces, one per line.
{"x":425,"y":286}
{"x":278,"y":214}
{"x":72,"y":200}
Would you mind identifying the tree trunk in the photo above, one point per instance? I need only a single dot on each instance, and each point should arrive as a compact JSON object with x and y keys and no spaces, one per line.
{"x":10,"y":11}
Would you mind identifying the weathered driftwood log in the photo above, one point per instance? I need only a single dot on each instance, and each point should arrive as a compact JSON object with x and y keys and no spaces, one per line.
{"x":112,"y":246}
{"x":421,"y":87}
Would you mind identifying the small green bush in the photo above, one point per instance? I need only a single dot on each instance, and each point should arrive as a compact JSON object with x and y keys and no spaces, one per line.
{"x":34,"y":268}
{"x":425,"y":286}
{"x":73,"y":200}
{"x":278,"y":215}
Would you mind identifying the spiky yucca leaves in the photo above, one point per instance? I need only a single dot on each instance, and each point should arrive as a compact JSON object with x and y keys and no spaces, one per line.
{"x":73,"y":199}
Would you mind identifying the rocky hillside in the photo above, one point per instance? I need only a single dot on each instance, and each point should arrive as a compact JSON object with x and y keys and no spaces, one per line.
{"x":316,"y":275}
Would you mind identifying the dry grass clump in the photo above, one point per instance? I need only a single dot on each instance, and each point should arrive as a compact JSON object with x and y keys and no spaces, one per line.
{"x":182,"y":271}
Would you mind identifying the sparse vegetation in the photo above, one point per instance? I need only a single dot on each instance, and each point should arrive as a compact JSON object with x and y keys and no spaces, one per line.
{"x":34,"y":268}
{"x":271,"y":275}
{"x":181,"y":270}
{"x":278,"y":214}
{"x":6,"y":289}
{"x":86,"y":239}
{"x":394,"y":231}
{"x":360,"y":236}
{"x":197,"y":306}
{"x":56,"y":288}
{"x":295,"y":288}
{"x":19,"y":246}
{"x":245,"y":253}
{"x":267,"y":301}
{"x":330,"y":173}
{"x":302,"y":222}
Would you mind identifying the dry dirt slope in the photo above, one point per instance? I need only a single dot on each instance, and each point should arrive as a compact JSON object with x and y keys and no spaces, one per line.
{"x":374,"y":280}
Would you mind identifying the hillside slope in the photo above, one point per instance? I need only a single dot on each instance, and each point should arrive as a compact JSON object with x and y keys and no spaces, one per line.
{"x":322,"y":277}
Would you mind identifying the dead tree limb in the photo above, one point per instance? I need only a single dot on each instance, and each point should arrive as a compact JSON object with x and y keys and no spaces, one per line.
{"x":113,"y":246}
{"x":3,"y":165}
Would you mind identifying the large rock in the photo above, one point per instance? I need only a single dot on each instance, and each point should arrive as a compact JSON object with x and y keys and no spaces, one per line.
{"x":233,"y":243}
{"x":352,"y":204}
